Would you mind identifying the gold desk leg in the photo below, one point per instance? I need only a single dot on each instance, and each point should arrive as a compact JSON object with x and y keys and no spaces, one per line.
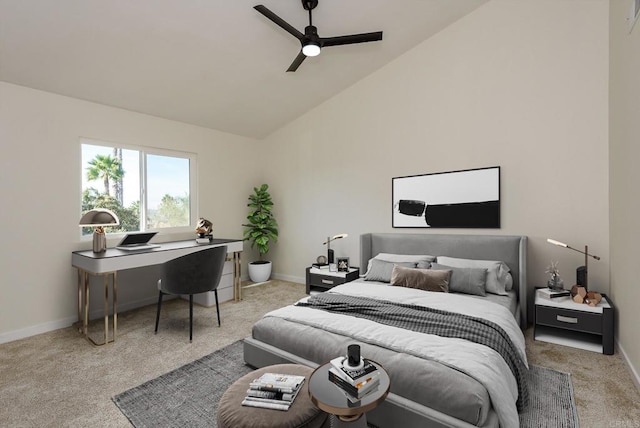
{"x":237,"y":285}
{"x":85,"y":323}
{"x":106,"y":308}
{"x":80,"y":294}
{"x":83,"y":306}
{"x":115,"y":304}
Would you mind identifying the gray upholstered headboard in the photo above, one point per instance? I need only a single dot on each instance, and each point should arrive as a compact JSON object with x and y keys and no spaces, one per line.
{"x":510,"y":249}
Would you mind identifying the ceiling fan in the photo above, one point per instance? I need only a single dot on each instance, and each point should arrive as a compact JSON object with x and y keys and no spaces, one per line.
{"x":310,"y":41}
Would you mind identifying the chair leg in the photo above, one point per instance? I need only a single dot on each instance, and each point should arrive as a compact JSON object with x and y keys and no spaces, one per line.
{"x":190,"y":317}
{"x":215,"y":292}
{"x":158,"y":312}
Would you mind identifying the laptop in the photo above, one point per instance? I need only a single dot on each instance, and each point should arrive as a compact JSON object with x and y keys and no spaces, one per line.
{"x":137,"y":242}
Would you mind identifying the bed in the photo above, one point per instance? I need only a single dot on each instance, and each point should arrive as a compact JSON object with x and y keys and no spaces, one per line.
{"x":435,"y":381}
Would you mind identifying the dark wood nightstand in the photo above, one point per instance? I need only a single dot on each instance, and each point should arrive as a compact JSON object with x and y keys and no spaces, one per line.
{"x":323,"y":279}
{"x":564,"y":322}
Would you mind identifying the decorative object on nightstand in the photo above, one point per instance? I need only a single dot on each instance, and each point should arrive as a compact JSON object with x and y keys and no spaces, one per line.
{"x":99,"y":218}
{"x":555,"y":282}
{"x":581,"y":272}
{"x":328,"y":244}
{"x":343,"y":264}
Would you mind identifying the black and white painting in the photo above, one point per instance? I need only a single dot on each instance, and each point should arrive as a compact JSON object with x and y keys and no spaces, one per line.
{"x":463,"y":199}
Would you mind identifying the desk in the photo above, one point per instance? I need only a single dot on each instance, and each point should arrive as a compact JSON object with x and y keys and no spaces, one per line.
{"x":108,"y":263}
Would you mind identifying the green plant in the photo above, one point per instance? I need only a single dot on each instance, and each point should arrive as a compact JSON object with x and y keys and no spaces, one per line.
{"x":262,"y":227}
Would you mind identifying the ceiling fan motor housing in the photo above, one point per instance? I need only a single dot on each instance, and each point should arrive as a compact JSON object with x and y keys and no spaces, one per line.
{"x":309,"y":4}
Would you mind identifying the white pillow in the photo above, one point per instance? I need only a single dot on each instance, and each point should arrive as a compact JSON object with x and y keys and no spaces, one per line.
{"x":497,"y":272}
{"x":509,"y":283}
{"x":401,"y":258}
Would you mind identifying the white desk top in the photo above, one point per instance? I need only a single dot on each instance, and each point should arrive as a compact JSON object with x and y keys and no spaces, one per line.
{"x":114,"y":260}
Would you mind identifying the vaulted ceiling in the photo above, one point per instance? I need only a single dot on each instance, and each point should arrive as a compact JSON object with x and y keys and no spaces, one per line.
{"x":213,"y":63}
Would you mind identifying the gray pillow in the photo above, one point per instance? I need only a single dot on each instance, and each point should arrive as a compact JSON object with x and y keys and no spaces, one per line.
{"x":381,"y":270}
{"x":422,"y":279}
{"x":497,"y":272}
{"x":465,"y":280}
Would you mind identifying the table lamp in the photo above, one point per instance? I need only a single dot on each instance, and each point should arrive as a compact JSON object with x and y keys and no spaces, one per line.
{"x":328,"y":243}
{"x":99,"y":218}
{"x":581,"y":272}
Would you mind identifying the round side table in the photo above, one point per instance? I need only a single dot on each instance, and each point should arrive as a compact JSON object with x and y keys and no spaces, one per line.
{"x":330,"y":398}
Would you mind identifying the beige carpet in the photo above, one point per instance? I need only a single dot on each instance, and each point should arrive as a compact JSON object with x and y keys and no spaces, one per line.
{"x":58,"y":379}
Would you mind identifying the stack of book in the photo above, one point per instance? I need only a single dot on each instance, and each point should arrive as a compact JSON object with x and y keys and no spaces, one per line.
{"x":547,"y":293}
{"x":273,"y":391}
{"x":356,"y":382}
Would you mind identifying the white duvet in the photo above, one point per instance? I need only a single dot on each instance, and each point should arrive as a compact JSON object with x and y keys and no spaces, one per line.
{"x":478,"y":361}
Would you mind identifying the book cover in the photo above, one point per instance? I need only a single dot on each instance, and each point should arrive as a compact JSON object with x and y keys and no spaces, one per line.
{"x":354,"y":376}
{"x":260,"y":404}
{"x":277,"y":382}
{"x":547,"y":293}
{"x":356,"y":392}
{"x":283,"y":396}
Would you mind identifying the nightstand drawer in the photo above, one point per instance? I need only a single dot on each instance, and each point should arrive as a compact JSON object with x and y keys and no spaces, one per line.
{"x":325,"y":280}
{"x":567,"y":319}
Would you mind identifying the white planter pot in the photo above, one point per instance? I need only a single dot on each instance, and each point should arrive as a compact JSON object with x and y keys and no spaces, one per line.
{"x":259,"y":271}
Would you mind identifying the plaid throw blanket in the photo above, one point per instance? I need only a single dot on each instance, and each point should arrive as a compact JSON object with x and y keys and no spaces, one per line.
{"x":430,"y":321}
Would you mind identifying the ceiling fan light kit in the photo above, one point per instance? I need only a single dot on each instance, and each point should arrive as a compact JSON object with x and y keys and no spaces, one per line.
{"x":311,"y":43}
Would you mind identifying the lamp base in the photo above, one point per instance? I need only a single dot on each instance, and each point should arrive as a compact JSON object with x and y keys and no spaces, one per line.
{"x":99,"y":242}
{"x":581,"y":277}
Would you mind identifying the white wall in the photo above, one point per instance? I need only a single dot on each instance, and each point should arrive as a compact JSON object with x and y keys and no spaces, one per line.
{"x":625,"y":176}
{"x":40,"y":194}
{"x":522,"y":85}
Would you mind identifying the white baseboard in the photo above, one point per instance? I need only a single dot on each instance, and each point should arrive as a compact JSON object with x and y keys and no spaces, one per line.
{"x":290,"y":278}
{"x":634,"y":373}
{"x":69,"y":321}
{"x":122,"y":307}
{"x":37,"y":329}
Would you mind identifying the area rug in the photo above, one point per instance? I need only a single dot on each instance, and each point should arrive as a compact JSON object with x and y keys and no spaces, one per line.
{"x":189,"y":395}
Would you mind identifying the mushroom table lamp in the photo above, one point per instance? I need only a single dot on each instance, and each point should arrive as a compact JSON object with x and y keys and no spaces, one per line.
{"x":99,"y":218}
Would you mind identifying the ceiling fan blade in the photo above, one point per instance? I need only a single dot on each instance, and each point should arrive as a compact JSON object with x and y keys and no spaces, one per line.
{"x":354,"y":38}
{"x":296,"y":62}
{"x":279,"y":21}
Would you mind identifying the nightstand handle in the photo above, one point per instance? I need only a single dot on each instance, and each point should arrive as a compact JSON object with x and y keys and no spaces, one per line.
{"x":326,"y":281}
{"x":569,"y":320}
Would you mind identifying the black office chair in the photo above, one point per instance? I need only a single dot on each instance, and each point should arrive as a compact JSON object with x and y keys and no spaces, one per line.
{"x":194,"y":273}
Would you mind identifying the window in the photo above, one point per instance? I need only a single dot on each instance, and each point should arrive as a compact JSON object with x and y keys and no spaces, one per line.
{"x":149,"y":189}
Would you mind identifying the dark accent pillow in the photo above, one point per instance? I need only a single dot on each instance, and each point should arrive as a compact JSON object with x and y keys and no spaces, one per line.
{"x":381,"y":270}
{"x":423,"y":279}
{"x":465,"y":280}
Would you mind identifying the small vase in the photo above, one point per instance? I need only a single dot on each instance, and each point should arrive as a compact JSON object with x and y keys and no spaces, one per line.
{"x":556,"y":284}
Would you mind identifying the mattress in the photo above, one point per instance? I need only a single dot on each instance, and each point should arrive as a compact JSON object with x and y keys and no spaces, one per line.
{"x":438,"y":386}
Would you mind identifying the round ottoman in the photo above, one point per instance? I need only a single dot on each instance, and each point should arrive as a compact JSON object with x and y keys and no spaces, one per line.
{"x":302,"y":413}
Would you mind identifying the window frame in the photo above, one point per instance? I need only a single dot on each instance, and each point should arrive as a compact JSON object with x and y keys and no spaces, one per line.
{"x":143,"y":151}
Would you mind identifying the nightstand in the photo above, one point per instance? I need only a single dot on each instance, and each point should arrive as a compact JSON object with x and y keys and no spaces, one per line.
{"x":323,"y":279}
{"x":564,"y":322}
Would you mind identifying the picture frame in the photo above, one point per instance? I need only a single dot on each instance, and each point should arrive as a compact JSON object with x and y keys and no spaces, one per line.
{"x":467,"y":198}
{"x":343,"y":264}
{"x":634,"y":13}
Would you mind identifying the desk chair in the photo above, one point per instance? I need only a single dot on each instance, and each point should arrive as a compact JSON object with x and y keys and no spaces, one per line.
{"x":194,"y":273}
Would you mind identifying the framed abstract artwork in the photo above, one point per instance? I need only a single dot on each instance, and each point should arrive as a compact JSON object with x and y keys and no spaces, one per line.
{"x":456,"y":199}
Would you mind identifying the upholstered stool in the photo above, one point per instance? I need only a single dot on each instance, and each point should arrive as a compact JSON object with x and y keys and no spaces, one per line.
{"x":302,"y":413}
